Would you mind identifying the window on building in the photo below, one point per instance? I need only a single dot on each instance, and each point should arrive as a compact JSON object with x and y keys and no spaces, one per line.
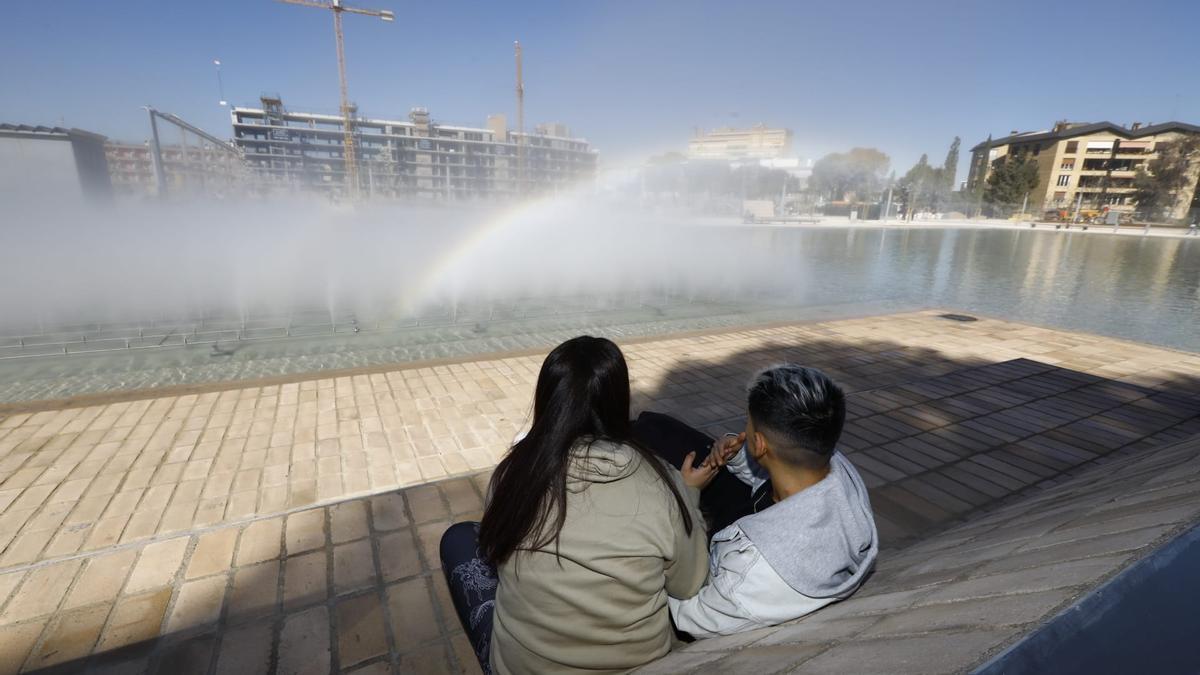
{"x":1067,"y":165}
{"x":1064,"y":180}
{"x":1060,"y":197}
{"x":1072,"y":147}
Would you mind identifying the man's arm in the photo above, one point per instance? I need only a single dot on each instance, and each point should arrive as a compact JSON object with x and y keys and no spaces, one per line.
{"x":743,"y":593}
{"x":715,"y":609}
{"x":747,"y":470}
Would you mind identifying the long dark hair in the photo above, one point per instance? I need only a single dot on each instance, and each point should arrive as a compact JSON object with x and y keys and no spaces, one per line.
{"x":582,"y":391}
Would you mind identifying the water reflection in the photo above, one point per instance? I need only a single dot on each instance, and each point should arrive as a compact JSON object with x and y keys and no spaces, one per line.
{"x":1144,"y":289}
{"x":1147,"y":290}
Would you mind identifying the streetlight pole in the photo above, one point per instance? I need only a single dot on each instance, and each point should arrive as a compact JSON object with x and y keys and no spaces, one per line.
{"x":220,"y":84}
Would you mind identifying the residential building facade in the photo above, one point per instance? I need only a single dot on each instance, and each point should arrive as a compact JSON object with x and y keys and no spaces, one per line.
{"x":417,"y":157}
{"x":757,"y":142}
{"x":1088,"y":165}
{"x":200,"y":169}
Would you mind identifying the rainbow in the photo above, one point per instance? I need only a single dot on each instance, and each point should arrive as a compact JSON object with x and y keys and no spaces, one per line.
{"x":506,"y":223}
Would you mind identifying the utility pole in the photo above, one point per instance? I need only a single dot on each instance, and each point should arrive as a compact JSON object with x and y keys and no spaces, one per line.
{"x":337,"y":7}
{"x":520,"y":122}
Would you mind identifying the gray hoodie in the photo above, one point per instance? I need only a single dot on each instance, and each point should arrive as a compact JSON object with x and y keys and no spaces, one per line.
{"x":788,"y":560}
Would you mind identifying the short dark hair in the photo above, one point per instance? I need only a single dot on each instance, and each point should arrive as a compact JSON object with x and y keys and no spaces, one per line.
{"x":800,"y":409}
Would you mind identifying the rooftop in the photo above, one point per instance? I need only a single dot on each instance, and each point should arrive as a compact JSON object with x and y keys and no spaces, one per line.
{"x":285,"y":524}
{"x":1085,"y":129}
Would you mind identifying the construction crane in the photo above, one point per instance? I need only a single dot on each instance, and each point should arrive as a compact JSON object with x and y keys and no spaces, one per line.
{"x":347,"y":119}
{"x":520,"y":123}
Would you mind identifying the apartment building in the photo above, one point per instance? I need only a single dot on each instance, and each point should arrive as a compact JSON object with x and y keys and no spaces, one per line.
{"x":418,"y":157}
{"x":200,"y":169}
{"x":757,"y":142}
{"x":1089,"y":165}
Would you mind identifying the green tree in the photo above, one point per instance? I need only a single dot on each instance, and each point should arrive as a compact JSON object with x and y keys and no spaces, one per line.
{"x":857,"y":174}
{"x":1011,"y":179}
{"x":919,"y":187}
{"x":1160,"y":189}
{"x":927,"y":187}
{"x":950,"y":166}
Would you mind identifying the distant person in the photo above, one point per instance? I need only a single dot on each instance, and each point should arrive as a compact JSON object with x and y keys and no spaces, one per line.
{"x":584,"y":535}
{"x":799,"y":534}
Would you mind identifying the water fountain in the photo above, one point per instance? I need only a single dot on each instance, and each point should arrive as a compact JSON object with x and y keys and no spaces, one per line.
{"x":164,"y":289}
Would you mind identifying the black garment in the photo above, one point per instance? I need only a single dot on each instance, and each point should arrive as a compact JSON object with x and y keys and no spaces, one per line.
{"x":726,"y":498}
{"x":472,"y":583}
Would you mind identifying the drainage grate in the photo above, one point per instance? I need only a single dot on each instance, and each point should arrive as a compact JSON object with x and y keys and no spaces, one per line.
{"x":957,"y":317}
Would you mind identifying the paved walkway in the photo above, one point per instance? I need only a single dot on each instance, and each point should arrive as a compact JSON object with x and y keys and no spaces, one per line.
{"x":996,"y":224}
{"x":261,"y":528}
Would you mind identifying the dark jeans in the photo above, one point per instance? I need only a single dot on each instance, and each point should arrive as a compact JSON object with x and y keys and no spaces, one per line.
{"x":726,"y":498}
{"x":472,"y":583}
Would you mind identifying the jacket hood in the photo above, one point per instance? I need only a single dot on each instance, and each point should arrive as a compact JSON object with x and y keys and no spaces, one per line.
{"x":822,"y":540}
{"x":599,"y":461}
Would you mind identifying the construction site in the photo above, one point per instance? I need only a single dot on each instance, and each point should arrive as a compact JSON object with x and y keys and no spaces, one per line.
{"x":274,"y":149}
{"x":417,"y":157}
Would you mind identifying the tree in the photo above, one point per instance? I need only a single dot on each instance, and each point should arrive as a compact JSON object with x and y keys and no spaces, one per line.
{"x":857,"y":174}
{"x":919,"y":187}
{"x":1011,"y":179}
{"x":1160,"y":189}
{"x":929,"y":187}
{"x":950,"y":166}
{"x":756,"y":182}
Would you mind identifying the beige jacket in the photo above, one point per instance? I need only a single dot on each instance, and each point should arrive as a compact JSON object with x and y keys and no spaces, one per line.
{"x":623,"y":551}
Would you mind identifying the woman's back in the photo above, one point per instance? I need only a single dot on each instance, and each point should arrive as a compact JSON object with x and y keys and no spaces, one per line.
{"x":601,"y":604}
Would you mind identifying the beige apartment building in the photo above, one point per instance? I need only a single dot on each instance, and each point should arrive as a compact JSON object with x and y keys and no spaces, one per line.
{"x":757,"y":142}
{"x":1089,"y":165}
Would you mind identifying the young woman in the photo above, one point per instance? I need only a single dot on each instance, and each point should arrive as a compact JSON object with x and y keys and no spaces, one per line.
{"x":584,"y":536}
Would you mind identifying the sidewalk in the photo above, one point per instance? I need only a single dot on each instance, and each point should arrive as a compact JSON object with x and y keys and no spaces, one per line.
{"x":294,"y":527}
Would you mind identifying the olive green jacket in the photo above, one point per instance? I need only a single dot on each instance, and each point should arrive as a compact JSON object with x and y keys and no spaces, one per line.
{"x":601,"y":606}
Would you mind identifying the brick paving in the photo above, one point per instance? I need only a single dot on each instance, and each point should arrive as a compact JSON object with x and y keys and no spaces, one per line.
{"x":276,"y":527}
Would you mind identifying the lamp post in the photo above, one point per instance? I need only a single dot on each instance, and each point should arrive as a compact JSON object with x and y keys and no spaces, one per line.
{"x":220,"y":85}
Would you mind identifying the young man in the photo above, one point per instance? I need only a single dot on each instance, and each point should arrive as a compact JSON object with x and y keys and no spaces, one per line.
{"x":811,"y":537}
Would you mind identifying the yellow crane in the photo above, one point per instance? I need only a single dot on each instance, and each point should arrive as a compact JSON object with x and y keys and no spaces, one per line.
{"x":338,"y":7}
{"x":520,"y":122}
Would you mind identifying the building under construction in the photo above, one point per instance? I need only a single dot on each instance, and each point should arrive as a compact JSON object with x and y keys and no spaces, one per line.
{"x":199,"y":168}
{"x":417,"y":157}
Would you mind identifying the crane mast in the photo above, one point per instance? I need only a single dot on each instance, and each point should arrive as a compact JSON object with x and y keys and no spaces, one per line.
{"x":348,"y":151}
{"x":520,"y":123}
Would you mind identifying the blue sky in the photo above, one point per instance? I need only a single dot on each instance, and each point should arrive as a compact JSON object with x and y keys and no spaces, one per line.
{"x":633,"y":77}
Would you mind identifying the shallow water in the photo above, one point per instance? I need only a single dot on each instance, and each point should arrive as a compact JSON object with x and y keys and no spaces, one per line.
{"x":1143,"y":289}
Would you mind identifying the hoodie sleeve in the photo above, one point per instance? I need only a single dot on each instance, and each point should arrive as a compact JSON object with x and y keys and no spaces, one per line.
{"x":688,"y":571}
{"x":747,"y":470}
{"x":742,"y":593}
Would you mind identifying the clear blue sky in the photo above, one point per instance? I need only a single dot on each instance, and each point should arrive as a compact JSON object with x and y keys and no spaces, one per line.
{"x":633,"y":77}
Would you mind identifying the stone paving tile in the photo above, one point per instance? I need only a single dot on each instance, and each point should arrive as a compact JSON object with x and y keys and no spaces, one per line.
{"x":261,"y":524}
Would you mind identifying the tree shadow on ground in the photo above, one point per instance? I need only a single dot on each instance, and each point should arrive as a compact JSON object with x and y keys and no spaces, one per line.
{"x":937,"y":438}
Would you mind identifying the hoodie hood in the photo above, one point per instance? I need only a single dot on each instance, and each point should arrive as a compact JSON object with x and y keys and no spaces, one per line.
{"x":599,"y":461}
{"x":822,"y":540}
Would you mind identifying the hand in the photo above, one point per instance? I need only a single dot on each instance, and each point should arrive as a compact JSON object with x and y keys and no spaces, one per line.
{"x":697,"y":476}
{"x":724,"y":449}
